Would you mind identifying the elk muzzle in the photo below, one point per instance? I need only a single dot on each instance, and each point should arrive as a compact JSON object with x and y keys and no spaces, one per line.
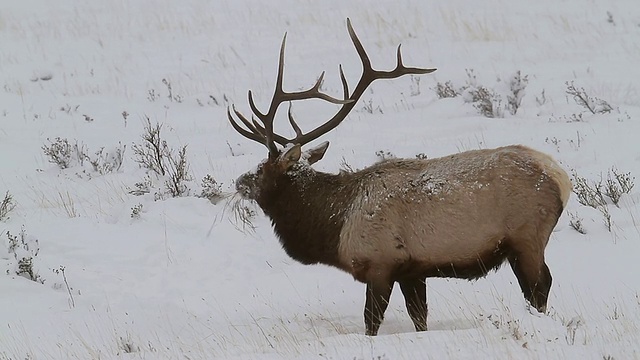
{"x":246,"y":185}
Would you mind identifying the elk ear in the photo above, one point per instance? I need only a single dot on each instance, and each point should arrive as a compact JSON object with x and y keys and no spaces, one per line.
{"x":315,"y":154}
{"x":291,"y":156}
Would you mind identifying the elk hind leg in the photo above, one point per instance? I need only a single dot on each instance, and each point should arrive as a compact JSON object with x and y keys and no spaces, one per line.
{"x":534,"y":278}
{"x":377,"y":300}
{"x":415,"y":297}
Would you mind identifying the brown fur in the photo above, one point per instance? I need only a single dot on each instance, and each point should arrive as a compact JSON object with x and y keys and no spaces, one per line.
{"x":404,"y":220}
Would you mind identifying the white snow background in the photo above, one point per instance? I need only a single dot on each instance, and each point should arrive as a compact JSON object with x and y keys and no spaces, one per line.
{"x":185,"y":279}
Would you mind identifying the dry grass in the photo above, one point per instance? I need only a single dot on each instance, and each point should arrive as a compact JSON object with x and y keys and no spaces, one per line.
{"x":243,"y":212}
{"x":465,"y":27}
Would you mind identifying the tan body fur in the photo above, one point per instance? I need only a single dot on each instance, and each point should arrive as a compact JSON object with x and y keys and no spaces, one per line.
{"x":458,"y":209}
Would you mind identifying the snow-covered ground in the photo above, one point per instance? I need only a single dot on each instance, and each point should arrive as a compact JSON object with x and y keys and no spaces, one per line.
{"x":182,"y":278}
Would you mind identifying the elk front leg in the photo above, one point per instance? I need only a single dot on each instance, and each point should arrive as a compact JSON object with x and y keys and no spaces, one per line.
{"x":415,"y":296}
{"x":378,"y":293}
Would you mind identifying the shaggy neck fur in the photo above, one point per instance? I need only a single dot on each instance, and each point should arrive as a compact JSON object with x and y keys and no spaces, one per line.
{"x":307,"y":210}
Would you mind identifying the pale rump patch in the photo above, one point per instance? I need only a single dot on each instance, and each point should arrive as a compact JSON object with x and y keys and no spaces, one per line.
{"x":555,"y":172}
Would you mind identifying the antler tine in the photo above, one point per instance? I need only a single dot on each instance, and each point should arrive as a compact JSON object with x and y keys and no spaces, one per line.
{"x":277,"y":138}
{"x":401,"y":69}
{"x":313,"y":93}
{"x":252,"y":134}
{"x":254,"y":108}
{"x":244,"y":120}
{"x":258,"y":128}
{"x":293,"y":123}
{"x":369,"y":75}
{"x":256,"y":131}
{"x":364,"y":58}
{"x":345,"y":84}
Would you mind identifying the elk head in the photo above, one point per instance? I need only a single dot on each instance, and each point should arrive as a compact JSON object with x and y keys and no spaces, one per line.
{"x":256,"y":185}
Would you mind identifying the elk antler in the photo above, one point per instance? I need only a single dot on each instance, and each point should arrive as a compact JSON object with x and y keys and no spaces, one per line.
{"x":263,"y":133}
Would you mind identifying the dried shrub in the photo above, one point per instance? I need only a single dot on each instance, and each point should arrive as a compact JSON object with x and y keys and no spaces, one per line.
{"x":64,"y":154}
{"x":24,"y":250}
{"x":156,"y":156}
{"x":593,"y":104}
{"x":517,"y":85}
{"x":106,"y":161}
{"x":136,"y":211}
{"x":150,"y":154}
{"x":589,"y":194}
{"x":178,"y":173}
{"x":6,"y":206}
{"x":446,"y":90}
{"x":487,"y":102}
{"x":576,"y":223}
{"x":211,"y":189}
{"x":616,"y":184}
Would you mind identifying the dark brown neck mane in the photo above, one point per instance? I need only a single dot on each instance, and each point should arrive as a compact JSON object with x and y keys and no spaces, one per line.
{"x":307,"y":210}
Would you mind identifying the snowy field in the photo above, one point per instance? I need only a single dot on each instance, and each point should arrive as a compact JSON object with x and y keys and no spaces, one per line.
{"x":115,"y":275}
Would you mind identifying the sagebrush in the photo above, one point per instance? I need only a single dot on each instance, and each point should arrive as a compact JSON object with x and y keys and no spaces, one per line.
{"x":595,"y":193}
{"x":6,"y":206}
{"x":155,"y":155}
{"x":593,"y":104}
{"x":66,"y":154}
{"x":24,"y":250}
{"x":211,"y":189}
{"x":488,"y":101}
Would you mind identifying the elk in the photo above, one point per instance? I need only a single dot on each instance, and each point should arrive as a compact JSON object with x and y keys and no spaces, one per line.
{"x":403,"y":220}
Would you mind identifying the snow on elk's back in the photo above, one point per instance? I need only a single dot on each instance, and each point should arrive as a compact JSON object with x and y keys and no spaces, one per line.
{"x":413,"y":180}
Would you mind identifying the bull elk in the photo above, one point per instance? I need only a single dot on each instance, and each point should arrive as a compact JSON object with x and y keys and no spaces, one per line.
{"x":403,"y":220}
